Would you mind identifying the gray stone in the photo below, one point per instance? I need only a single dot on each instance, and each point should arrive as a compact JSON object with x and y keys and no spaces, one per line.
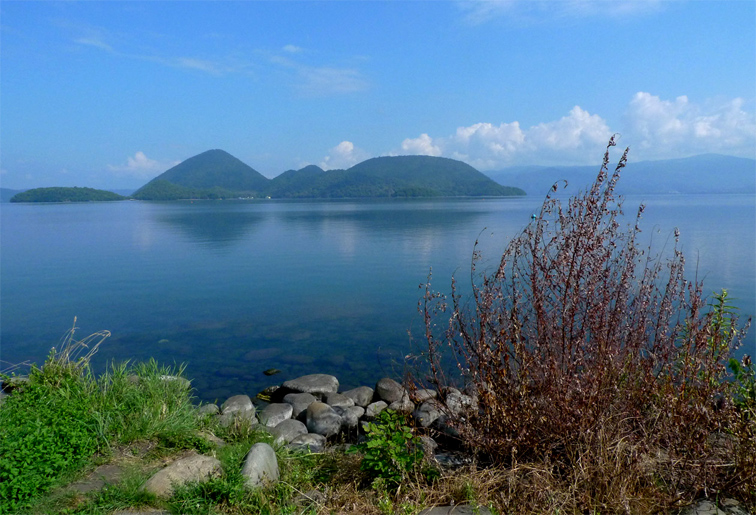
{"x":317,"y":384}
{"x":288,"y":430}
{"x":208,"y":409}
{"x":227,"y":418}
{"x":274,"y":414}
{"x":425,"y":394}
{"x":389,"y":390}
{"x":322,"y":419}
{"x":194,"y":468}
{"x":373,"y":409}
{"x":706,"y":507}
{"x":339,"y":400}
{"x":427,"y":413}
{"x":260,"y":466}
{"x":458,"y":402}
{"x":404,"y":405}
{"x":309,"y":442}
{"x":299,"y":402}
{"x":362,"y":395}
{"x":350,"y":416}
{"x":237,"y":403}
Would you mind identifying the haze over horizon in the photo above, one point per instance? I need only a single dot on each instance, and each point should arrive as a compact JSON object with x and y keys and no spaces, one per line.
{"x":110,"y":95}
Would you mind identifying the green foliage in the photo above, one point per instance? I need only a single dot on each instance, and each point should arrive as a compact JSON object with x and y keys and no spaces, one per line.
{"x":66,"y":195}
{"x":390,"y":451}
{"x":52,"y":426}
{"x":46,"y":431}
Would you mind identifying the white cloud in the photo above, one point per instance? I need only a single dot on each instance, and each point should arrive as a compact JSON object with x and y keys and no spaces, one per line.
{"x":422,"y":145}
{"x":679,"y":127}
{"x":141,"y":166}
{"x":292,"y":49}
{"x":654,"y":129}
{"x":343,"y":155}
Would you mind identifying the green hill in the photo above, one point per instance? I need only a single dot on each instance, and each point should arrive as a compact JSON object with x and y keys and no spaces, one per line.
{"x":217,"y":174}
{"x":211,"y":174}
{"x":66,"y":195}
{"x":399,"y":176}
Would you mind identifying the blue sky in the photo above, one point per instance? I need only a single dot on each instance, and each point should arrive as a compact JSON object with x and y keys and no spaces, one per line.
{"x":111,"y":94}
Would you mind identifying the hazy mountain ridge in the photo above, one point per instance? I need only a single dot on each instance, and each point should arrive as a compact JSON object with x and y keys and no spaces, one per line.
{"x":217,"y":174}
{"x":705,"y":173}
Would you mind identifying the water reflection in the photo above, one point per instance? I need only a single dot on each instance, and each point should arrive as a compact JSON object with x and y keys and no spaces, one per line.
{"x":214,"y":226}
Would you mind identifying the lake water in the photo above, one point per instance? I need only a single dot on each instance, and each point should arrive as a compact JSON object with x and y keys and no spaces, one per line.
{"x":234,"y":288}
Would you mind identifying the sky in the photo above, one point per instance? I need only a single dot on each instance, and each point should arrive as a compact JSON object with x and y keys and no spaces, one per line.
{"x":111,"y":94}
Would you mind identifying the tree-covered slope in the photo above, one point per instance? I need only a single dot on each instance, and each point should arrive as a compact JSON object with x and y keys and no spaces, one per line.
{"x":59,"y":194}
{"x":217,"y":174}
{"x":211,"y":174}
{"x":400,"y":176}
{"x":443,"y":176}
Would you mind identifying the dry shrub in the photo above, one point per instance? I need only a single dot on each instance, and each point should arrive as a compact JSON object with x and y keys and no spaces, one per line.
{"x":593,"y":358}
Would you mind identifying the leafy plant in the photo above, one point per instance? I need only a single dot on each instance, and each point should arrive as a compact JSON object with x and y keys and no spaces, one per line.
{"x":391,"y":451}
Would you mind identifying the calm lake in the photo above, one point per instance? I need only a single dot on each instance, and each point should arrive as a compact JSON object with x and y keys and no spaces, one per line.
{"x":233,"y":288}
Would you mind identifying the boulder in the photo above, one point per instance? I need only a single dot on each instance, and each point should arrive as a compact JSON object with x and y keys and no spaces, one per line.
{"x":425,"y":394}
{"x":403,"y":405}
{"x":309,"y":442}
{"x":260,"y":466}
{"x":373,"y":409}
{"x":362,"y":395}
{"x":288,"y":430}
{"x":427,"y":413}
{"x":237,"y":403}
{"x":458,"y":402}
{"x":350,"y":416}
{"x":389,"y":390}
{"x":316,"y":384}
{"x":194,"y":468}
{"x":208,"y":409}
{"x":322,"y":419}
{"x":339,"y":400}
{"x":274,"y":414}
{"x":299,"y":402}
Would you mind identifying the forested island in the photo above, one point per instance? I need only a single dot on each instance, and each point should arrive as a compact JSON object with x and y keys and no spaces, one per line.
{"x":60,"y":194}
{"x":217,"y":174}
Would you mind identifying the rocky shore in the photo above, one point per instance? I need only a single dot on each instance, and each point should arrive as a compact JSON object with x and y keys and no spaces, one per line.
{"x":307,"y":414}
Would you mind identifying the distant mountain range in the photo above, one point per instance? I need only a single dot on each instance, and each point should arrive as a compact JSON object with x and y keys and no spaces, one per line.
{"x":218,"y":174}
{"x":706,"y":173}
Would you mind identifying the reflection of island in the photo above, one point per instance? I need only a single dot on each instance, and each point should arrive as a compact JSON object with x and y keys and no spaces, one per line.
{"x":213,"y":225}
{"x":371,"y":216}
